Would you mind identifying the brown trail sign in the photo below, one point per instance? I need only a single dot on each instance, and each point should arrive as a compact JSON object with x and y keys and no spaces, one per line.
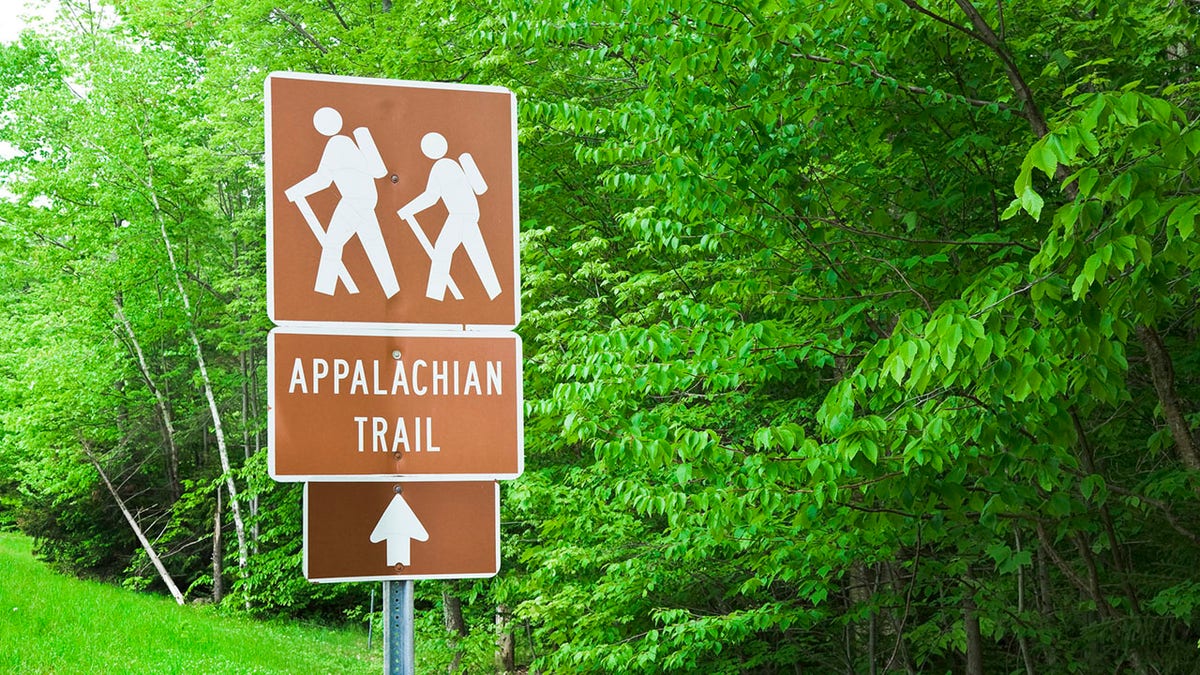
{"x":390,"y":203}
{"x":368,"y":531}
{"x":378,"y":407}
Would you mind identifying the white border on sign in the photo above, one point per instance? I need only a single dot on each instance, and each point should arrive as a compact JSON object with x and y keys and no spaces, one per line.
{"x":399,"y":577}
{"x":394,"y":477}
{"x":350,"y":327}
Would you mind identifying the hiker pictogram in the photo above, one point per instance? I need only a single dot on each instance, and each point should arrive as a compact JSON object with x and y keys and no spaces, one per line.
{"x":455,"y":184}
{"x":351,"y":165}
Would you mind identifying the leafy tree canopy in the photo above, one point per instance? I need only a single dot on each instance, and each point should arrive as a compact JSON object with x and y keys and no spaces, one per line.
{"x":859,"y":336}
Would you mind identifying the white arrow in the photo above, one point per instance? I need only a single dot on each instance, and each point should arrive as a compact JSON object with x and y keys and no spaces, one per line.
{"x":398,"y":525}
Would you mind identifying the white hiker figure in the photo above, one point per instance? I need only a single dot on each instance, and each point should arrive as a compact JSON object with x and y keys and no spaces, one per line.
{"x":455,"y":184}
{"x":351,"y":165}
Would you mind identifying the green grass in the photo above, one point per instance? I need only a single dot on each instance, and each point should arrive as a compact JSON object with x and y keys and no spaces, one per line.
{"x":50,"y":623}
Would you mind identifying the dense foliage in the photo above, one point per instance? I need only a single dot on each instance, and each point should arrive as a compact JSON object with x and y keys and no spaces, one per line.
{"x":860,"y":336}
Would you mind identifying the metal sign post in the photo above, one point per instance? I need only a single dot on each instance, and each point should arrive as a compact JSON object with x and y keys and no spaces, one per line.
{"x":399,"y":657}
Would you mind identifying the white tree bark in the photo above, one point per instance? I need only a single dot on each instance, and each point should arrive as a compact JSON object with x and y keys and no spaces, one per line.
{"x":219,"y":431}
{"x":137,"y":530}
{"x":222,"y":448}
{"x":164,"y":412}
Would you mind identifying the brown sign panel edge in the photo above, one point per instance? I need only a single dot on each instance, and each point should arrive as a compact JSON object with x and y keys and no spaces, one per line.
{"x":401,"y":576}
{"x":393,"y":477}
{"x":352,"y":326}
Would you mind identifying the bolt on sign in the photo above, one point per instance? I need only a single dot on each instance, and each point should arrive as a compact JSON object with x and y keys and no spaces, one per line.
{"x":386,"y":531}
{"x":390,"y":203}
{"x":377,"y":407}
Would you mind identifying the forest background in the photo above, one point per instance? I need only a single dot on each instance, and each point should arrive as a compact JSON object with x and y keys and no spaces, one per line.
{"x":860,"y":336}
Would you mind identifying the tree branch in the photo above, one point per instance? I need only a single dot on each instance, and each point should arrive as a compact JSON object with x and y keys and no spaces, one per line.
{"x":1163,"y":374}
{"x":133,"y":525}
{"x":909,"y":240}
{"x":984,"y":33}
{"x":296,"y":26}
{"x":940,"y":19}
{"x":979,"y":103}
{"x":333,"y":8}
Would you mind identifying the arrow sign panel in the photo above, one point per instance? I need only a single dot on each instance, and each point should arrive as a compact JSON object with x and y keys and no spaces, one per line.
{"x":399,"y":526}
{"x":368,"y":531}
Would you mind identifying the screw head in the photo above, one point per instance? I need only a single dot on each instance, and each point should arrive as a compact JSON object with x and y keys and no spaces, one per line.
{"x":396,"y":354}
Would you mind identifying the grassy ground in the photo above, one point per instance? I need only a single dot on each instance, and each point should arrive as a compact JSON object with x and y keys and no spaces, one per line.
{"x":50,"y":623}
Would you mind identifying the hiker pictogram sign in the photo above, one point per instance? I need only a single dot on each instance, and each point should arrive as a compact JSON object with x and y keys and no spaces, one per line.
{"x":390,"y":203}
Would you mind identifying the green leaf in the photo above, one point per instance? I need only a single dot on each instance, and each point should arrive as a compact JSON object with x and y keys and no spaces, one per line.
{"x":895,"y":367}
{"x":683,"y":474}
{"x":1044,"y":157}
{"x":1183,"y":218}
{"x":1014,"y":207}
{"x":1087,"y":181}
{"x":1092,"y":484}
{"x":1032,"y":203}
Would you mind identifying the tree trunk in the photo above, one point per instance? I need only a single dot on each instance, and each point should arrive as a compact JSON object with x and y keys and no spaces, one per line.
{"x":1090,"y":587}
{"x":858,"y":595}
{"x":1107,"y":611}
{"x":1045,"y":602}
{"x":533,"y":652}
{"x":137,"y":530}
{"x":255,"y":415}
{"x":899,"y":657}
{"x":1022,"y":643}
{"x":160,"y":401}
{"x":1121,"y":561}
{"x":215,"y":413}
{"x":1163,"y":373}
{"x":971,"y":628}
{"x":453,"y":618}
{"x":505,"y":658}
{"x":218,"y":590}
{"x":246,"y":449}
{"x":206,"y":381}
